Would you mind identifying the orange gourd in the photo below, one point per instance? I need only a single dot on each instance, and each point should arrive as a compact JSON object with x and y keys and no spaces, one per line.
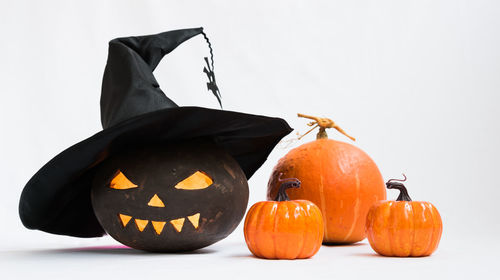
{"x":403,"y":228}
{"x":284,"y":229}
{"x":338,"y":177}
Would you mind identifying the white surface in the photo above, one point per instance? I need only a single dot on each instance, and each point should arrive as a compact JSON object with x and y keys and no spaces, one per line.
{"x":459,"y":259}
{"x":416,"y":82}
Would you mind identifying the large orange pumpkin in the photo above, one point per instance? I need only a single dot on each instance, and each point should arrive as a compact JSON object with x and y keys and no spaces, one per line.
{"x":284,"y":229}
{"x":338,"y":177}
{"x":403,"y":228}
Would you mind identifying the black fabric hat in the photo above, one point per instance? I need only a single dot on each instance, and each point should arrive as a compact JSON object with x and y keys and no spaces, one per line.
{"x":135,"y":111}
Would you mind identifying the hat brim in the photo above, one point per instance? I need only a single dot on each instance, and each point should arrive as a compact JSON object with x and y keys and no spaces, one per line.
{"x":57,"y":198}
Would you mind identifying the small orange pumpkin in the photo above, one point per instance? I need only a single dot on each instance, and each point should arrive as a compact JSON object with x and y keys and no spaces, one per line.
{"x":403,"y":228}
{"x":284,"y":229}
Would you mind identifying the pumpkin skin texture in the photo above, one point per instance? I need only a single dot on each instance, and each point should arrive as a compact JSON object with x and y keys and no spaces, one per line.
{"x":170,"y":198}
{"x":284,"y":230}
{"x":342,"y":180}
{"x":403,"y":228}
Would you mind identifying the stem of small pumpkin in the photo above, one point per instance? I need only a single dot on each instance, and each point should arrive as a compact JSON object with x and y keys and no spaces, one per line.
{"x":286,"y":184}
{"x":403,"y":195}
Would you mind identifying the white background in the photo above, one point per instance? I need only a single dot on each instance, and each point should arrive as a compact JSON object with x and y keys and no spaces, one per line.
{"x":416,"y":82}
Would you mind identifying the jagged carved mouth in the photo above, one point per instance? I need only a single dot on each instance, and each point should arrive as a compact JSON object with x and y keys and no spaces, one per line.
{"x":158,"y":226}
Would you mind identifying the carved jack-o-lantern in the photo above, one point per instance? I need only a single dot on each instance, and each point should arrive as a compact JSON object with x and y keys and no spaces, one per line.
{"x":170,"y":198}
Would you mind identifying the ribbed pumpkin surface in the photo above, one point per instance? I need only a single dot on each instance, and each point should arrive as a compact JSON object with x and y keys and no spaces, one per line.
{"x":342,"y":180}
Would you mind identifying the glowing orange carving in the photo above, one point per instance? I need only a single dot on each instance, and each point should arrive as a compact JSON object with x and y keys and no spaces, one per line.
{"x":120,"y":182}
{"x":158,"y":226}
{"x":194,"y":219}
{"x":141,"y":224}
{"x":124,"y":219}
{"x":178,"y":223}
{"x":196,"y":181}
{"x":155,"y":201}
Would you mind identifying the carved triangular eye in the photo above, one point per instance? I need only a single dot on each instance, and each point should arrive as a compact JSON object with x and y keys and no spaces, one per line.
{"x":120,"y":182}
{"x":196,"y":181}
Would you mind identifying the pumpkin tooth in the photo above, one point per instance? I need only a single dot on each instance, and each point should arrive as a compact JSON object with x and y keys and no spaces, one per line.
{"x":141,"y":224}
{"x":158,"y":226}
{"x":124,"y":219}
{"x":178,"y":223}
{"x":194,"y":219}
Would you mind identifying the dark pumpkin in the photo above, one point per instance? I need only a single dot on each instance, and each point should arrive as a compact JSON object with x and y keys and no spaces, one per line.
{"x":169,"y":198}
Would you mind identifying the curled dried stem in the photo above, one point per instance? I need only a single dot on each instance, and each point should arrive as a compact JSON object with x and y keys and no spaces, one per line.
{"x":323,"y":124}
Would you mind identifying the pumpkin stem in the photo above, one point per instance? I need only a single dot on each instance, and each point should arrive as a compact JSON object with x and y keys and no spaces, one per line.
{"x":323,"y":124}
{"x":403,"y":195}
{"x":286,"y":184}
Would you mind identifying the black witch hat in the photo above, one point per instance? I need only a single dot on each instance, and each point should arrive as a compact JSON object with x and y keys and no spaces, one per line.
{"x":135,"y":111}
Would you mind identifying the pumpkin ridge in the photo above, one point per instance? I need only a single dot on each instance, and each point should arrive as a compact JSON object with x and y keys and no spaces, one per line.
{"x":322,"y":194}
{"x":356,"y":209}
{"x":414,"y":241}
{"x":276,"y":226}
{"x":381,"y":213}
{"x":248,"y":224}
{"x":370,"y":221}
{"x":319,"y":233}
{"x":286,"y":221}
{"x":386,"y":225}
{"x":385,"y":228}
{"x":429,"y":248}
{"x":291,"y":220}
{"x":256,"y":226}
{"x":261,"y":217}
{"x":390,"y":231}
{"x":400,"y":245}
{"x":317,"y":213}
{"x":304,"y":225}
{"x":414,"y":232}
{"x":250,"y":227}
{"x":439,"y":229}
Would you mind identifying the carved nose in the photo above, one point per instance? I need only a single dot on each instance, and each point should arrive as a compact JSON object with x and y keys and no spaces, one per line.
{"x":155,"y":201}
